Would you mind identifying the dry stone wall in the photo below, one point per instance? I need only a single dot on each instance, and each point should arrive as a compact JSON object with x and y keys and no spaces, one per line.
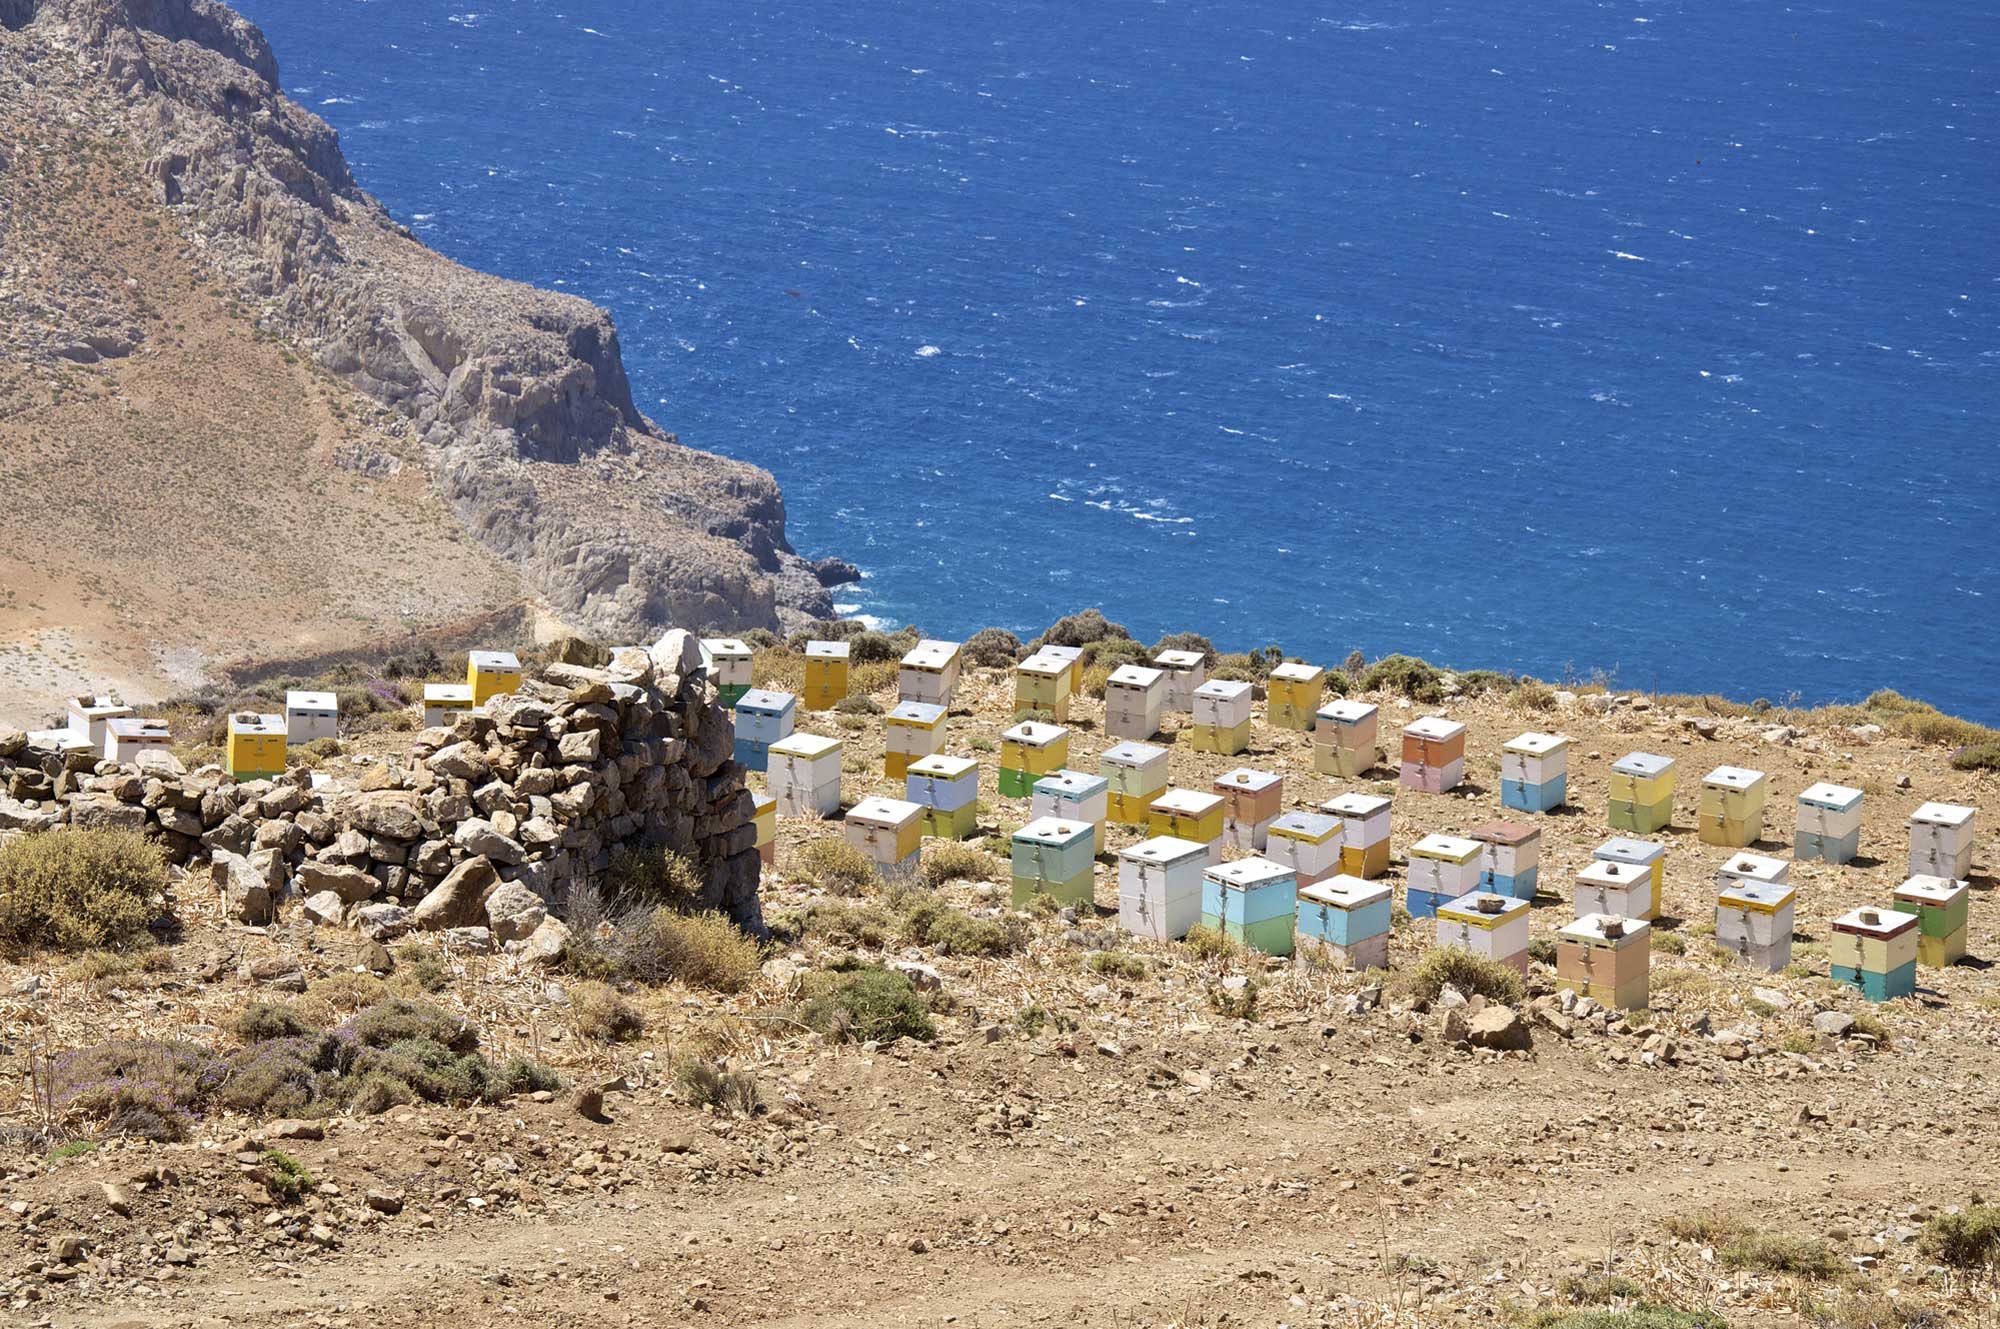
{"x":485,"y":828}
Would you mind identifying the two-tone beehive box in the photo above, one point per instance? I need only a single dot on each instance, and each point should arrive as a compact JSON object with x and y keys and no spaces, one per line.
{"x":1607,"y":957}
{"x":255,"y":747}
{"x":1221,"y":718}
{"x":929,"y":673}
{"x":1491,"y":926}
{"x":1344,"y":734}
{"x":827,"y":664}
{"x":1510,"y":857}
{"x":1364,"y":833}
{"x":1071,"y":656}
{"x":1185,"y":671}
{"x":491,"y":673}
{"x":947,"y":788}
{"x":1252,"y":900}
{"x":1134,"y":699}
{"x":1619,"y":889}
{"x":1442,"y":868}
{"x":1188,"y":815}
{"x":1433,"y":754}
{"x":1829,"y":824}
{"x":1136,"y":774}
{"x":1041,"y":683}
{"x":1029,"y":751}
{"x":1749,"y":867}
{"x":889,"y":832}
{"x":1306,"y":842}
{"x":1875,"y":950}
{"x":729,"y":667}
{"x":1251,"y":801}
{"x":910,"y":732}
{"x":764,"y":816}
{"x":1642,"y":793}
{"x":1943,"y":910}
{"x":1732,"y":807}
{"x":803,"y":771}
{"x":445,"y":702}
{"x":1292,"y":695}
{"x":1073,"y":796}
{"x":1534,"y":772}
{"x":1754,"y":922}
{"x":1345,"y":920}
{"x":1159,"y":886}
{"x":1647,"y":854}
{"x":1056,"y":858}
{"x":763,"y":717}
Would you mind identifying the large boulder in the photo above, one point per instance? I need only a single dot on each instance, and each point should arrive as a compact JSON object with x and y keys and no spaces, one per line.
{"x":513,"y":911}
{"x":351,"y":884}
{"x":479,"y":836}
{"x":389,"y":814}
{"x":246,"y":894}
{"x":459,"y":900}
{"x":1500,"y":1028}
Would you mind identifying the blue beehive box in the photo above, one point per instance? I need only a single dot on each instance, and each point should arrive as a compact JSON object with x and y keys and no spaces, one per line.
{"x":752,"y":755}
{"x":1345,"y":910}
{"x":1544,"y":797}
{"x":1253,"y":900}
{"x":765,"y":717}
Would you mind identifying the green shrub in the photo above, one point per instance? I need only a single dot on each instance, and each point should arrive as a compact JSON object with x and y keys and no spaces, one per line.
{"x":1206,"y":943}
{"x":73,"y":890}
{"x":867,"y":1004}
{"x":705,"y":951}
{"x":1779,"y":1253}
{"x":865,"y":648}
{"x":1337,"y":683}
{"x":952,"y":931}
{"x":875,"y":676}
{"x":285,"y":1177}
{"x":262,"y":1020}
{"x":1416,"y":679}
{"x":400,"y":1019}
{"x":1669,"y":943}
{"x":1038,"y":715}
{"x":1238,"y":1005}
{"x":1451,"y":966}
{"x":1478,"y":682}
{"x":1112,"y":964}
{"x":524,"y":1075}
{"x":1598,"y":1289}
{"x":858,"y":706}
{"x":956,"y":860}
{"x":866,"y":926}
{"x":73,"y":1149}
{"x":1978,"y":757}
{"x":649,"y":874}
{"x":1969,"y":1239}
{"x":1084,"y":629}
{"x":418,"y":971}
{"x":991,"y":648}
{"x":1535,"y":695}
{"x":1113,"y":652}
{"x":835,"y":865}
{"x":601,"y":1013}
{"x":714,"y":1085}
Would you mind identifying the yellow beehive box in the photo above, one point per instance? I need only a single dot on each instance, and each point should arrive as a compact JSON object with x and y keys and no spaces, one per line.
{"x":1188,"y":815}
{"x":1364,"y":839}
{"x":1029,"y":751}
{"x":764,"y":815}
{"x":445,"y":702}
{"x":888,"y":830}
{"x":826,"y":675}
{"x":255,"y":749}
{"x":491,"y":673}
{"x":1344,"y":735}
{"x":1732,"y":806}
{"x":1041,"y":683}
{"x":1292,"y":695}
{"x":1071,"y":656}
{"x":1137,"y":774}
{"x":1643,"y":778}
{"x":914,"y":729}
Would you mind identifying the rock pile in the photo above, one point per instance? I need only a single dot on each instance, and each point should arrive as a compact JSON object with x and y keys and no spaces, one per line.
{"x":485,"y":829}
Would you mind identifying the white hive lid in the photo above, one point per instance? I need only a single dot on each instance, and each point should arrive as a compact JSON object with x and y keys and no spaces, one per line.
{"x":940,"y":766}
{"x":1189,"y":802}
{"x":929,"y":654}
{"x":826,"y":650}
{"x":1434,"y":727}
{"x":1223,"y":689}
{"x":1451,"y":848}
{"x":763,"y":699}
{"x":1035,"y":734}
{"x":730,"y":647}
{"x":1532,"y":744}
{"x":448,"y":692}
{"x":1077,"y":784}
{"x":1357,"y":805}
{"x":1055,"y":830}
{"x":1926,"y":889}
{"x":1164,"y":849}
{"x":879,"y":811}
{"x":1732,"y":777}
{"x":1244,"y":777}
{"x":1246,"y":873}
{"x":1344,"y":892}
{"x":313,"y":701}
{"x":1178,"y":660}
{"x":1133,"y":754}
{"x":1756,"y":866}
{"x":1604,"y":928}
{"x":1306,"y":825}
{"x":917,"y":712}
{"x":809,"y":746}
{"x":494,"y":661}
{"x":1134,"y":676}
{"x":1625,"y":849}
{"x":1836,"y":796}
{"x":1346,"y":712}
{"x":1943,"y":814}
{"x":1769,"y":895}
{"x":1646,"y":765}
{"x":1293,"y":671}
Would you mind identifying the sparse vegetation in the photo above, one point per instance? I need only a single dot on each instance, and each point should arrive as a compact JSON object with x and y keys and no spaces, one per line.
{"x":956,"y":860}
{"x":858,"y":706}
{"x":1450,"y":966}
{"x":836,"y":866}
{"x":1968,"y":1239}
{"x":1646,"y":1315}
{"x":928,"y":922}
{"x":1206,"y":944}
{"x":715,"y":1086}
{"x":285,"y":1177}
{"x":651,"y":875}
{"x":79,"y":890}
{"x":707,"y":951}
{"x":1114,"y":964}
{"x":1419,"y":680}
{"x":867,"y":1004}
{"x":601,"y":1013}
{"x":991,"y":648}
{"x":1083,"y":629}
{"x":1740,"y":1245}
{"x":1977,"y":757}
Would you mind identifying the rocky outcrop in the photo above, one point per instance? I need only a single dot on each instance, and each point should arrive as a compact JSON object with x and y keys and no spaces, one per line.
{"x":519,"y":396}
{"x":489,"y":825}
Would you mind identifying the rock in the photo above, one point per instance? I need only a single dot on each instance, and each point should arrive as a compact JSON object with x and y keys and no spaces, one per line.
{"x":589,"y":1102}
{"x":1452,"y":1026}
{"x":549,"y":943}
{"x":470,"y":938}
{"x":677,"y":652}
{"x":458,"y":900}
{"x":325,"y":908}
{"x":513,"y":912}
{"x":18,"y":816}
{"x":351,"y":884}
{"x":68,"y":1247}
{"x":292,"y":1129}
{"x":13,"y":742}
{"x":478,"y":836}
{"x":379,"y":778}
{"x":1902,"y":782}
{"x":106,"y":814}
{"x":246,"y":894}
{"x":159,"y":761}
{"x":1772,"y":997}
{"x":382,"y":921}
{"x":581,"y":747}
{"x":115,"y":1198}
{"x":384,"y":1202}
{"x":1556,"y":1023}
{"x":462,"y":761}
{"x":922,"y":976}
{"x":393,"y":816}
{"x":1500,"y":1028}
{"x":375,"y":958}
{"x":1833,"y":1024}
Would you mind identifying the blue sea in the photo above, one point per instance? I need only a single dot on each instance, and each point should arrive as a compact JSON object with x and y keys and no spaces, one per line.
{"x":1653,"y":338}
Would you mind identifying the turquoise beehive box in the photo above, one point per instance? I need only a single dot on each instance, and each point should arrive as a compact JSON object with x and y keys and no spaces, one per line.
{"x":1253,"y":900}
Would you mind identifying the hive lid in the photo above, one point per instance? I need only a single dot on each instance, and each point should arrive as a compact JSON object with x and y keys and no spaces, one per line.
{"x":1450,"y":848}
{"x":917,"y":712}
{"x":1605,"y":929}
{"x":1344,"y":892}
{"x":1134,"y":676}
{"x":1756,"y":867}
{"x":313,"y":701}
{"x":1222,"y":689}
{"x":1357,"y":805}
{"x":1293,"y":671}
{"x":1042,"y":663}
{"x":1435,"y":728}
{"x":879,"y":811}
{"x":1067,"y":654}
{"x":1506,"y":832}
{"x":1732,"y":777}
{"x":1868,"y":921}
{"x":494,"y":661}
{"x":940,"y":766}
{"x":137,"y":726}
{"x":826,"y":650}
{"x":97,"y":707}
{"x":762,"y":803}
{"x":1943,"y":814}
{"x":1926,"y":889}
{"x":731,"y":648}
{"x":1484,"y":909}
{"x":1246,"y":873}
{"x":1346,"y":712}
{"x":1056,"y":830}
{"x":1133,"y":754}
{"x":763,"y":699}
{"x":809,"y":746}
{"x":1645,"y":765}
{"x":1763,"y":896}
{"x":249,"y":722}
{"x":1532,"y":744}
{"x":443,"y":693}
{"x":1610,"y":872}
{"x":1035,"y":734}
{"x":1244,"y":777}
{"x":1305,"y":825}
{"x":1177,"y":660}
{"x":928,"y":654}
{"x":1624,"y":849}
{"x":1836,"y":796}
{"x":1186,"y":802}
{"x":1073,"y":784}
{"x":1164,"y":849}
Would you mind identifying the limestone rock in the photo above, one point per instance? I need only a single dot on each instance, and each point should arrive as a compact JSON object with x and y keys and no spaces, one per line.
{"x":324,"y":908}
{"x":246,"y":894}
{"x":1500,"y":1028}
{"x":382,"y":921}
{"x":457,"y":901}
{"x":351,"y":884}
{"x":513,"y":911}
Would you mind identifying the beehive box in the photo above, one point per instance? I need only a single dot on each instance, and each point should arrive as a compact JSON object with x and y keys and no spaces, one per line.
{"x":491,"y":673}
{"x":764,"y":815}
{"x":1941,"y":841}
{"x":1755,"y":922}
{"x":1748,"y":867}
{"x":255,"y":748}
{"x":1510,"y":857}
{"x":889,"y":832}
{"x":826,"y":676}
{"x":1490,"y":926}
{"x":1188,"y":815}
{"x":88,"y":715}
{"x":1607,"y":957}
{"x":1732,"y":807}
{"x":1221,"y":718}
{"x":1344,"y":734}
{"x":1433,"y":754}
{"x":1306,"y":842}
{"x":126,"y":736}
{"x":1619,"y":889}
{"x":1943,"y":909}
{"x":1041,"y":683}
{"x":763,"y":717}
{"x":1829,"y":824}
{"x":1534,"y":772}
{"x":1345,"y":920}
{"x":1054,"y":857}
{"x":1251,"y":801}
{"x":310,"y":716}
{"x":1071,"y":656}
{"x":929,"y":673}
{"x":729,"y":667}
{"x":947,"y":788}
{"x":1134,"y":699}
{"x":1647,"y":854}
{"x":1292,"y":695}
{"x":1442,"y":868}
{"x":1029,"y":751}
{"x":1875,"y":950}
{"x":1364,"y":833}
{"x":1642,"y":793}
{"x":1136,"y":774}
{"x":445,"y":702}
{"x":1185,"y":671}
{"x":1073,"y":796}
{"x":1252,"y":900}
{"x":804,"y":775}
{"x":1159,"y":887}
{"x":913,"y":730}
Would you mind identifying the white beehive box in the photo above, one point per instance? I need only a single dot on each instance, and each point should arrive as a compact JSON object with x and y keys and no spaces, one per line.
{"x":1941,"y":840}
{"x":1534,"y":758}
{"x":1752,"y":868}
{"x":929,"y":673}
{"x":88,"y":715}
{"x":310,"y":716}
{"x":1755,"y":922}
{"x":804,"y":775}
{"x":729,"y":661}
{"x":1185,"y":671}
{"x":1831,"y":810}
{"x":1159,"y":887}
{"x":1223,"y":703}
{"x":1494,"y":927}
{"x":445,"y":702}
{"x":1135,"y":697}
{"x":943,"y":782}
{"x":126,"y":736}
{"x":1618,"y":889}
{"x":1365,"y":817}
{"x":1445,"y":865}
{"x":888,"y":831}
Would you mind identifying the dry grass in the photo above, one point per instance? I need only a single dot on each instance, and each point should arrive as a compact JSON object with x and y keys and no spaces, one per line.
{"x":71,"y":890}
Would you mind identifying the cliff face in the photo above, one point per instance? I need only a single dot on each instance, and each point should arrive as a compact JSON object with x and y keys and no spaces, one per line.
{"x":518,"y":396}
